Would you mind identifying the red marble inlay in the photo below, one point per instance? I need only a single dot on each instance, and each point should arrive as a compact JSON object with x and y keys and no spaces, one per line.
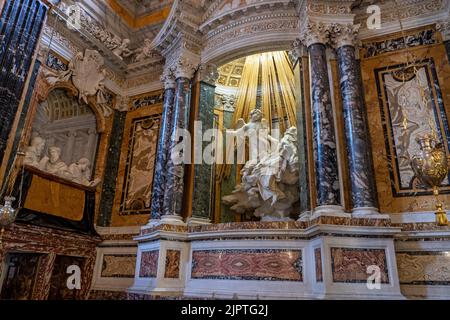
{"x":351,"y":264}
{"x":318,"y":258}
{"x":149,"y":264}
{"x":172,"y":264}
{"x":251,"y":264}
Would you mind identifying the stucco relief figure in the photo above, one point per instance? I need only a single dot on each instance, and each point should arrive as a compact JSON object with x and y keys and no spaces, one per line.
{"x":144,"y":52}
{"x":53,"y":163}
{"x":80,"y":172}
{"x":122,"y":50}
{"x":33,"y":152}
{"x":269,"y":187}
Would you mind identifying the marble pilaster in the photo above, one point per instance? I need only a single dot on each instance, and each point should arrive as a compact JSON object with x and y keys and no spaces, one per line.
{"x":300,"y":82}
{"x":362,"y":181}
{"x":163,"y":147}
{"x":112,"y":167}
{"x":203,"y":180}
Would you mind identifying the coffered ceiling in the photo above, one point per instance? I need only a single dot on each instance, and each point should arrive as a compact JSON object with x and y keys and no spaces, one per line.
{"x":139,"y":8}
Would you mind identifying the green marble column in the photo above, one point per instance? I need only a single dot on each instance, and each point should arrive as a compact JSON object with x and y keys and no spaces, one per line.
{"x":299,"y":73}
{"x":203,"y":179}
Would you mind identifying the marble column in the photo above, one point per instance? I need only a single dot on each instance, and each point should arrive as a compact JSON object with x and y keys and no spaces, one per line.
{"x":162,"y":155}
{"x":175,"y":171}
{"x":203,"y":170}
{"x":362,"y":181}
{"x":69,"y":146}
{"x":328,"y":193}
{"x":20,"y":25}
{"x":299,"y":72}
{"x":90,"y":151}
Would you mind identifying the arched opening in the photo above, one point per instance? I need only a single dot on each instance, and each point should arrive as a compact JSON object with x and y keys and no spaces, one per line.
{"x":261,"y":83}
{"x":64,"y":137}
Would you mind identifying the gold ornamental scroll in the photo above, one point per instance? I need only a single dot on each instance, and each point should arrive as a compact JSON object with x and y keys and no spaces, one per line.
{"x":55,"y":198}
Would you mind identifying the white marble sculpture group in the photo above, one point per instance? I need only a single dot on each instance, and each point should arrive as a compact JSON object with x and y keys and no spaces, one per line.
{"x":269,"y":182}
{"x":79,"y":172}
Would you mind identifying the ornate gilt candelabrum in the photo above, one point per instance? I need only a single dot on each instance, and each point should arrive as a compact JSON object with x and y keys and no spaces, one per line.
{"x":431,"y":168}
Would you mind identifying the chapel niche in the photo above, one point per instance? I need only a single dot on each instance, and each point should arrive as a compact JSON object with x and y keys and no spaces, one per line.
{"x":261,"y":83}
{"x":69,"y":124}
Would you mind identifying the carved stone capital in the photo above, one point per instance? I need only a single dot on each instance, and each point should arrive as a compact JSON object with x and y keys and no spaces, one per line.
{"x":444,"y":28}
{"x":184,"y":68}
{"x":208,"y":73}
{"x":168,"y":78}
{"x":315,"y":32}
{"x":298,"y":48}
{"x":122,"y":103}
{"x":344,"y":35}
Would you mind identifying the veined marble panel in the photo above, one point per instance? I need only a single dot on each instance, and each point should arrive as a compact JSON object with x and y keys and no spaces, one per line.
{"x":137,"y":188}
{"x":349,"y":265}
{"x":172,"y":269}
{"x":318,"y":263}
{"x":132,"y":200}
{"x":388,"y":138}
{"x":407,"y":116}
{"x":251,"y":264}
{"x":424,"y":267}
{"x":149,"y":264}
{"x":118,"y":265}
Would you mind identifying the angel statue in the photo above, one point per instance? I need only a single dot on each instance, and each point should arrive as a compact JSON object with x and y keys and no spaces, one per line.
{"x":269,"y":186}
{"x":260,"y":142}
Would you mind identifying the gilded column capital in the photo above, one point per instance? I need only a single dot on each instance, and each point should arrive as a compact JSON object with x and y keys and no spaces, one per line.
{"x":344,"y":35}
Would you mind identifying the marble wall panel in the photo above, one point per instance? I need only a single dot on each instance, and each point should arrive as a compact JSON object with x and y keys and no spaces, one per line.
{"x":349,"y":265}
{"x":424,"y":267}
{"x":172,"y":269}
{"x":318,"y":264}
{"x":149,"y":264}
{"x":118,"y":265}
{"x":132,"y":202}
{"x":397,"y":192}
{"x":251,"y":264}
